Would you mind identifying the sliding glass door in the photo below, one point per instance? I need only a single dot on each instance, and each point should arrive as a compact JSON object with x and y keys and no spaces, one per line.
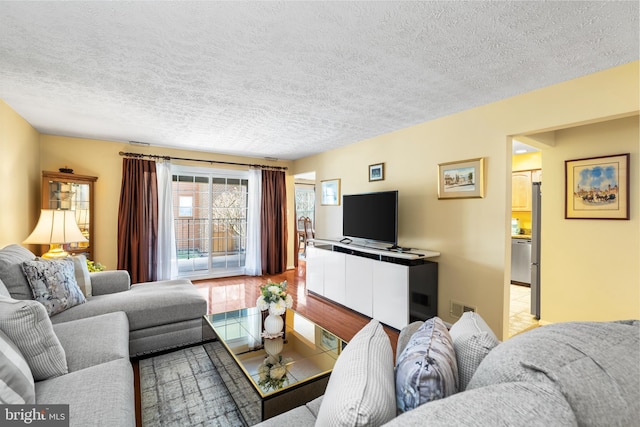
{"x":210,"y":218}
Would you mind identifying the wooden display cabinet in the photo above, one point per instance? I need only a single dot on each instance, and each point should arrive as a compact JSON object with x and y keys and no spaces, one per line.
{"x":68,"y":191}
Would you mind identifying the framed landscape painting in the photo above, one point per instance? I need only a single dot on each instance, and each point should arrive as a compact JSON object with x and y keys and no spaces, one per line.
{"x":461,"y":180}
{"x":597,"y":188}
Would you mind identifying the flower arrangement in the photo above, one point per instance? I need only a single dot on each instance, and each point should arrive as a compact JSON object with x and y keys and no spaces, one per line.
{"x":274,"y":297}
{"x":94,"y":266}
{"x":273,"y":372}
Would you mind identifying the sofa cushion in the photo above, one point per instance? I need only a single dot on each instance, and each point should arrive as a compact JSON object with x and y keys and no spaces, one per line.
{"x":593,"y":364}
{"x":94,"y":340}
{"x":99,"y":395}
{"x":11,"y":259}
{"x":16,"y":381}
{"x":53,"y":284}
{"x":360,"y":388}
{"x":427,"y":368}
{"x":472,"y":339}
{"x":146,"y":304}
{"x":4,"y":292}
{"x":27,"y":324}
{"x":507,"y":404}
{"x":81,"y":272}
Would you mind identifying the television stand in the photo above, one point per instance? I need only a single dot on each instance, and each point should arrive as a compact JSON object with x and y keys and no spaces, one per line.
{"x":394,"y":287}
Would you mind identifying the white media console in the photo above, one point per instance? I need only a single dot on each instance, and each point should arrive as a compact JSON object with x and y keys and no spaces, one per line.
{"x":394,"y":287}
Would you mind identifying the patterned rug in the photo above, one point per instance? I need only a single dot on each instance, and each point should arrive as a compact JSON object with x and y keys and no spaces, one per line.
{"x":196,"y":386}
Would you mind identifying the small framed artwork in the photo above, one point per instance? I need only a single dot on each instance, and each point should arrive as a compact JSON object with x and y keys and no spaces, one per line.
{"x":330,"y":192}
{"x":463,"y":179}
{"x":376,"y":172}
{"x":597,"y":188}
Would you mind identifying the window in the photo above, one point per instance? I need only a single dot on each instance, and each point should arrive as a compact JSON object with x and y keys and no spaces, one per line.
{"x":210,"y":221}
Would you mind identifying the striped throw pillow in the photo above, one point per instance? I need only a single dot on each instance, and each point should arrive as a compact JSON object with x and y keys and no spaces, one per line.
{"x":360,"y":391}
{"x":27,"y":324}
{"x":16,"y":381}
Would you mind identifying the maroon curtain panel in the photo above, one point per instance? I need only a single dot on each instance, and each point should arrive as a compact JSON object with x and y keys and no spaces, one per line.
{"x":138,"y":220}
{"x":273,"y":221}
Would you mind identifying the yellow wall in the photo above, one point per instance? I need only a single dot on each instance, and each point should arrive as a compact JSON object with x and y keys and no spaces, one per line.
{"x":589,"y":268}
{"x":101,"y":159}
{"x":474,"y":235}
{"x":20,"y":177}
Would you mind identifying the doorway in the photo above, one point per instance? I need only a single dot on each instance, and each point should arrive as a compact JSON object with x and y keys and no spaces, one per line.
{"x":210,"y":221}
{"x":526,"y":169}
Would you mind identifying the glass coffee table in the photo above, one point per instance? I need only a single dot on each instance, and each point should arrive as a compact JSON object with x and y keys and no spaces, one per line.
{"x":305,"y":356}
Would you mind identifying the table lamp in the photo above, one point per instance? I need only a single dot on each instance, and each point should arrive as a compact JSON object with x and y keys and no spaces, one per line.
{"x":56,"y":228}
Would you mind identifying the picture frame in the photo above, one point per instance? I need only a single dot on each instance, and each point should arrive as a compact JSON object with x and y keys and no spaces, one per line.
{"x":330,"y":192}
{"x":376,"y":172}
{"x":463,"y":179}
{"x":597,"y":188}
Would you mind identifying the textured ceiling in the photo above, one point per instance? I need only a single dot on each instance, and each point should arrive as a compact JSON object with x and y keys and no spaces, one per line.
{"x":289,"y":79}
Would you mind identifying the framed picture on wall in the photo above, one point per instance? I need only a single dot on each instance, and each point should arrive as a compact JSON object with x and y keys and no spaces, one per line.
{"x":597,"y":188}
{"x":330,"y":192}
{"x":376,"y":172}
{"x":463,"y":179}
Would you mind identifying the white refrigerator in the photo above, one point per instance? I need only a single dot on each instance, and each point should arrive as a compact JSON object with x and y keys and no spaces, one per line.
{"x":536,"y":200}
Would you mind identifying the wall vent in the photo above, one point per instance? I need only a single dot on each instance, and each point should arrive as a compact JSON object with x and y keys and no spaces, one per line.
{"x":456,"y":309}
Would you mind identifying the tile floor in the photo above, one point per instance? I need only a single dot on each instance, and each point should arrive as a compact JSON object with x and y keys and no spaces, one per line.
{"x":520,"y":317}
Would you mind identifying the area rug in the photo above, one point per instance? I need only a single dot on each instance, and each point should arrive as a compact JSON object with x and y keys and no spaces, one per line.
{"x":196,"y":386}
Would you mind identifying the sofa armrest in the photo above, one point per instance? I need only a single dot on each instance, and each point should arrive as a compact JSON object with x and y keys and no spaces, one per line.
{"x":110,"y":282}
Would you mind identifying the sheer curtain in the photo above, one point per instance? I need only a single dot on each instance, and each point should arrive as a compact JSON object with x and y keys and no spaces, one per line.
{"x":253,"y":265}
{"x":167,"y":258}
{"x":138,"y":220}
{"x":274,"y":222}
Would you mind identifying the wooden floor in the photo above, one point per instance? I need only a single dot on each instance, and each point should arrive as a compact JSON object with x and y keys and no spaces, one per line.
{"x":233,"y":293}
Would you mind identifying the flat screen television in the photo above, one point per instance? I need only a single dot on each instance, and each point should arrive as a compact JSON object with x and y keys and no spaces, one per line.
{"x":371,"y":216}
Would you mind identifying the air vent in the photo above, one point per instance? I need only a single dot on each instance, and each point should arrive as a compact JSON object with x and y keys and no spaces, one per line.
{"x":456,"y":309}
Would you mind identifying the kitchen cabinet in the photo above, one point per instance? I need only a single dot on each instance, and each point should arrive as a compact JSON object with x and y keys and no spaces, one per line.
{"x":68,"y":191}
{"x":521,"y":191}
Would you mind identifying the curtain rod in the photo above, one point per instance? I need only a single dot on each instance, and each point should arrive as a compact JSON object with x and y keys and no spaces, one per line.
{"x":156,"y":156}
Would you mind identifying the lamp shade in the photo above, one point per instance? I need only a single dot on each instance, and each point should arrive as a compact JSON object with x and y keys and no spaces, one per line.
{"x":56,"y":227}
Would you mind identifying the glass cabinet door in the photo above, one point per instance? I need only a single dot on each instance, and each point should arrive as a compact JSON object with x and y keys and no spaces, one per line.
{"x":73,"y":192}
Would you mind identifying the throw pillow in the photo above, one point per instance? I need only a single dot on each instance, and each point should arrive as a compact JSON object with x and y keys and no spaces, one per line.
{"x":16,"y":381}
{"x":26,"y":324}
{"x":53,"y":284}
{"x":427,"y":368}
{"x":82,"y":274}
{"x":472,"y":339}
{"x":360,"y":388}
{"x":11,"y":259}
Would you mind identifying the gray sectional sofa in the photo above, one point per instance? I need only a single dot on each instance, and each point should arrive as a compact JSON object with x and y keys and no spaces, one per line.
{"x":81,"y":355}
{"x":565,"y":374}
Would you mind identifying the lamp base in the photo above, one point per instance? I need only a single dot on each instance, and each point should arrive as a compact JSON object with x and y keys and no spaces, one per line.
{"x":56,"y":251}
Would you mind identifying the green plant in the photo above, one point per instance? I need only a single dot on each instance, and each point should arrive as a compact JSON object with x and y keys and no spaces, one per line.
{"x":94,"y":266}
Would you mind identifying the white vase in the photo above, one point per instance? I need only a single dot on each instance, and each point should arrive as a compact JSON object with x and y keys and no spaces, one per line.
{"x":274,"y":346}
{"x":273,"y":324}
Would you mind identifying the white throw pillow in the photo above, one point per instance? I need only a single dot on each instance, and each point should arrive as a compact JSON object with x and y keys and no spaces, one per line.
{"x":473,"y":339}
{"x":82,"y":274}
{"x":361,"y":388}
{"x":26,"y":323}
{"x":16,"y":381}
